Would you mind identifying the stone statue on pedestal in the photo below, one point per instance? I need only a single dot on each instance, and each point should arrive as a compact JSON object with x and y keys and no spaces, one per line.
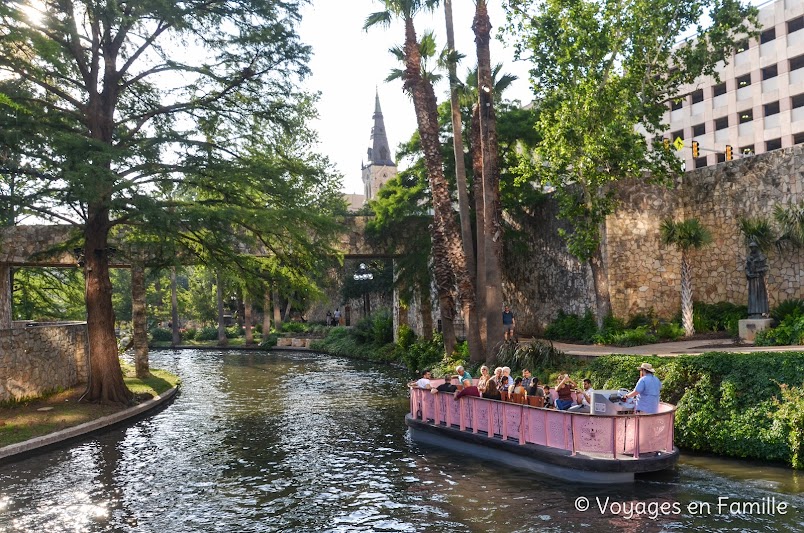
{"x":756,"y":264}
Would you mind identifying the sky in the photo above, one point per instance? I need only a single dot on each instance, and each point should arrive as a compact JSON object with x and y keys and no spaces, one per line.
{"x":349,"y":64}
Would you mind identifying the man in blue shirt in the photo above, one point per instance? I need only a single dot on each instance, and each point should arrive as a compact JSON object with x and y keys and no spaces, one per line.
{"x":463,"y":374}
{"x":647,"y":388}
{"x":508,"y":323}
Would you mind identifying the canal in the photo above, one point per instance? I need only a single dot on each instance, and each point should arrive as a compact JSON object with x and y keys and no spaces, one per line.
{"x":305,"y":442}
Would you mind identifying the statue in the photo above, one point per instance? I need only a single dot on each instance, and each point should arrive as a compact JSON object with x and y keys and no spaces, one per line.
{"x":756,"y":264}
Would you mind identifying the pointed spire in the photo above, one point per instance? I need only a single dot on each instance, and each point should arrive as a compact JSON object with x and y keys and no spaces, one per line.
{"x":380,"y":152}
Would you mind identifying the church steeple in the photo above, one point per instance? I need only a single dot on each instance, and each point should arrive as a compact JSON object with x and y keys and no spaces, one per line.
{"x":380,"y":152}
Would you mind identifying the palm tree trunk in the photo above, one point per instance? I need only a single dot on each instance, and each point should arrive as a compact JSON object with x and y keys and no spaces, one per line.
{"x":477,"y":170}
{"x":476,"y":352}
{"x":424,"y":102}
{"x":686,"y":295}
{"x":427,"y":314}
{"x":444,"y":287}
{"x":492,"y":216}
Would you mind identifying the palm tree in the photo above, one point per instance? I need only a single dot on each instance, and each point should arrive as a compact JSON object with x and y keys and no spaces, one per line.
{"x":685,"y":235}
{"x":452,"y":260}
{"x":492,"y":216}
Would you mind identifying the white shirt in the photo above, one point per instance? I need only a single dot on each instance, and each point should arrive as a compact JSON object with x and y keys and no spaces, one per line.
{"x":423,"y":383}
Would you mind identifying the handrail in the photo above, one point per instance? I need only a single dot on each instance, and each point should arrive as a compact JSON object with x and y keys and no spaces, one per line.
{"x":613,"y":435}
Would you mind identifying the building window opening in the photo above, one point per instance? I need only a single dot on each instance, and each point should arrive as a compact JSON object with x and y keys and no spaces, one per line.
{"x":721,"y":158}
{"x":775,"y":144}
{"x":679,"y":134}
{"x":700,"y":162}
{"x":698,"y":130}
{"x":798,"y":138}
{"x":767,"y":36}
{"x":795,"y":24}
{"x":746,"y":116}
{"x":772,"y":108}
{"x":719,"y":89}
{"x":770,"y":72}
{"x":721,"y":123}
{"x":741,"y":46}
{"x":676,"y":104}
{"x":744,"y":81}
{"x":697,"y":96}
{"x":746,"y":151}
{"x":797,"y":62}
{"x":797,"y":101}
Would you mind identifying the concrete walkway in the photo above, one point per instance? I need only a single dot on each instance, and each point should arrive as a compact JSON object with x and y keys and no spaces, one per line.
{"x":670,"y":349}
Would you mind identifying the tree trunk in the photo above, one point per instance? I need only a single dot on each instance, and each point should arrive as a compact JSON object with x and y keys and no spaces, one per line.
{"x":444,"y":288}
{"x":427,"y":314}
{"x":288,"y":308}
{"x":266,"y":313}
{"x":477,"y":170}
{"x":425,"y":105}
{"x":6,"y":287}
{"x":106,"y":383}
{"x":174,"y":309}
{"x":277,"y":311}
{"x":222,"y":340}
{"x":686,"y":295}
{"x":139,"y":320}
{"x":492,"y":216}
{"x":248,"y":320}
{"x":476,"y":353}
{"x":600,"y":277}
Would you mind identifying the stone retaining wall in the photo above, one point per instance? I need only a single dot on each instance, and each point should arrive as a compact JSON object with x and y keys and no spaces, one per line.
{"x":37,"y":359}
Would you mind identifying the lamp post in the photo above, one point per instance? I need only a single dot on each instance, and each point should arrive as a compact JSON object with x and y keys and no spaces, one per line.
{"x":364,"y":274}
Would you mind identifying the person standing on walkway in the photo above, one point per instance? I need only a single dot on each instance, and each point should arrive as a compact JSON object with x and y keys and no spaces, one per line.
{"x":647,"y":389}
{"x":509,"y":322}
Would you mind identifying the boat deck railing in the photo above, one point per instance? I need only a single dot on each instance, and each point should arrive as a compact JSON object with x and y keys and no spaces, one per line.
{"x":622,"y":436}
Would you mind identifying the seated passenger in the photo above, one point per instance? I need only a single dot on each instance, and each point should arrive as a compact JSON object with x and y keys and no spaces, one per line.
{"x":424,"y":381}
{"x":534,"y":389}
{"x":485,"y":377}
{"x":584,"y":398}
{"x":468,"y":390}
{"x":447,"y":386}
{"x":565,"y":389}
{"x":498,"y":377}
{"x":462,"y":374}
{"x":504,"y":384}
{"x":518,"y":388}
{"x":506,"y":372}
{"x":491,"y":391}
{"x":549,"y":401}
{"x":527,"y":379}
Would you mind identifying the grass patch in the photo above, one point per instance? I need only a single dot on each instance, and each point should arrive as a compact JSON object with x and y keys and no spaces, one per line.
{"x":23,"y":420}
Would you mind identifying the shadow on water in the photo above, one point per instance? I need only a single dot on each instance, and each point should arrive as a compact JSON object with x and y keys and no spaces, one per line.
{"x":305,"y":442}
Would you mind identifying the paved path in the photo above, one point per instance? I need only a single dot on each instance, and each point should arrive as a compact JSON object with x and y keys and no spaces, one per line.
{"x":671,"y":348}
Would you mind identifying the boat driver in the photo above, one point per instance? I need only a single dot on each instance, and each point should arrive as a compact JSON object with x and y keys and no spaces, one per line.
{"x":647,"y":389}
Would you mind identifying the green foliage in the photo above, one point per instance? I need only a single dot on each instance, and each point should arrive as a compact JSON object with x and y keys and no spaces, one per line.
{"x":48,"y":294}
{"x":790,"y":331}
{"x":534,"y":355}
{"x":232,"y":332}
{"x":207,"y":334}
{"x":270,"y":340}
{"x":759,"y":230}
{"x":295,"y":327}
{"x":793,"y":306}
{"x":789,"y":414}
{"x":630,"y":337}
{"x":424,"y":354}
{"x":571,"y":327}
{"x":343,"y":342}
{"x":161,"y":335}
{"x":406,"y":336}
{"x":721,"y":316}
{"x":685,"y":234}
{"x":188,"y":334}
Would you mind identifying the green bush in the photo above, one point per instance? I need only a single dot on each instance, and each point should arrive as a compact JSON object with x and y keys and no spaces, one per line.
{"x":629,"y":337}
{"x":188,"y":334}
{"x":294,"y":327}
{"x":270,"y":340}
{"x":722,"y":316}
{"x":533,"y":355}
{"x":790,"y":331}
{"x":207,"y":334}
{"x":571,"y":327}
{"x":406,"y":336}
{"x":232,"y":332}
{"x":423,"y":353}
{"x":792,"y":307}
{"x":669,"y":331}
{"x":161,"y":335}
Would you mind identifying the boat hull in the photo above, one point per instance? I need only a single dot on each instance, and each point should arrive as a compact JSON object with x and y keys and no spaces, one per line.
{"x":553,"y":462}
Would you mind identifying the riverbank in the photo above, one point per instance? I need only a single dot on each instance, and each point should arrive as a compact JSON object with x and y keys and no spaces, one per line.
{"x":61,"y":411}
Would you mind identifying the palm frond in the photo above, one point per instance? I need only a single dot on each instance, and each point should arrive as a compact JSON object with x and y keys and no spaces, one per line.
{"x":757,"y":229}
{"x":380,"y":18}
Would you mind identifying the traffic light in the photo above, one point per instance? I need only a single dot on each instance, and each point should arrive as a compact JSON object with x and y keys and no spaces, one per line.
{"x":695,"y":151}
{"x":729,"y":154}
{"x":666,"y":144}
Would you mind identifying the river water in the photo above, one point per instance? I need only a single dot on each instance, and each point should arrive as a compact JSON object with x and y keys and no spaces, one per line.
{"x":306,"y":442}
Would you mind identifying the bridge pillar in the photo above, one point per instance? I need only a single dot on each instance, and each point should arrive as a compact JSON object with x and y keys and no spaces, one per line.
{"x":5,"y":296}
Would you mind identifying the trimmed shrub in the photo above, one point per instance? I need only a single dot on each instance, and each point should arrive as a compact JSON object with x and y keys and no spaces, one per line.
{"x":571,"y":327}
{"x":188,"y":334}
{"x":789,"y":332}
{"x":161,"y":335}
{"x":270,"y":340}
{"x":208,"y":333}
{"x":722,"y":316}
{"x":232,"y":332}
{"x":294,"y":327}
{"x":792,"y":307}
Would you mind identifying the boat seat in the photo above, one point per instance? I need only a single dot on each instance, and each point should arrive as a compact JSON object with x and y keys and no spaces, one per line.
{"x":504,"y":396}
{"x":536,"y":401}
{"x":518,"y":398}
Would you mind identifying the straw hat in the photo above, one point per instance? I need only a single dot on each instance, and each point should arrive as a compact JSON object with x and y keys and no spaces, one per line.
{"x":646,"y":366}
